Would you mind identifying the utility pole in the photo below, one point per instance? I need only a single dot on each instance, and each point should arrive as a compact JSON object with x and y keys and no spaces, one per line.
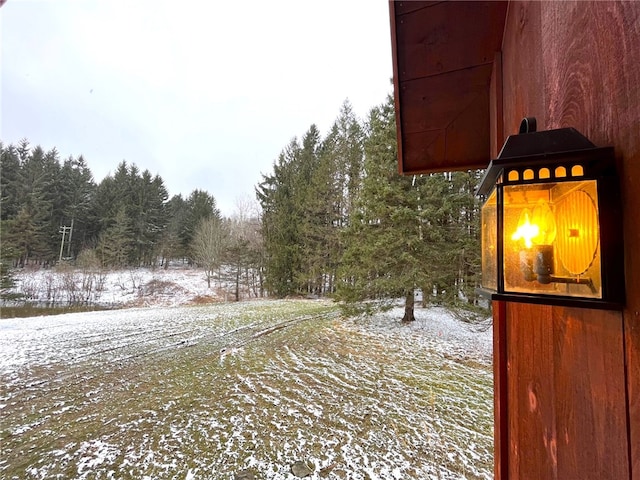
{"x":69,"y":240}
{"x":63,"y":231}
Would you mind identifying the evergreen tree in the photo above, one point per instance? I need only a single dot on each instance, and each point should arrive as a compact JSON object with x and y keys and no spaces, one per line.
{"x":305,"y":203}
{"x":7,"y":282}
{"x":7,"y":256}
{"x":101,"y":214}
{"x":144,"y":200}
{"x":147,"y":211}
{"x":170,"y":245}
{"x":466,"y":236}
{"x":306,"y":198}
{"x":385,"y":254}
{"x":29,"y":180}
{"x":9,"y":182}
{"x":78,"y":190}
{"x":200,"y":205}
{"x":24,"y":236}
{"x":280,"y":224}
{"x":53,"y":192}
{"x":335,"y":185}
{"x":348,"y":149}
{"x":115,"y":245}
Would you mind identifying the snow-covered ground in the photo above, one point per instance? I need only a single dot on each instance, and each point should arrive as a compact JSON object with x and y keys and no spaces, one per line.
{"x":177,"y":285}
{"x":254,"y":390}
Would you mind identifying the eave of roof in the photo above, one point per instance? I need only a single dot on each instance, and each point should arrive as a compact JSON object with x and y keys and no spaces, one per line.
{"x":443,"y":54}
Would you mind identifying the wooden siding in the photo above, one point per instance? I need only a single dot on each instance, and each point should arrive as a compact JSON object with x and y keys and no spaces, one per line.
{"x":566,"y":394}
{"x":567,"y":381}
{"x":577,"y":64}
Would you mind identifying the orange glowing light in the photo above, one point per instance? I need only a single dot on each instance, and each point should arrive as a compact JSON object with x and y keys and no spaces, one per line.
{"x":526,"y":230}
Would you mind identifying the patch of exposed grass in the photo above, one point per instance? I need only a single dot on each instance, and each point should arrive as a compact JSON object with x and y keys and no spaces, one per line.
{"x":258,"y":387}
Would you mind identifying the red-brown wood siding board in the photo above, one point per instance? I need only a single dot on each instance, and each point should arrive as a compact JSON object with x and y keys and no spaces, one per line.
{"x":569,"y":64}
{"x":496,"y":130}
{"x":566,"y":394}
{"x":434,"y":102}
{"x":531,"y":393}
{"x":500,"y":388}
{"x":396,"y":88}
{"x":588,"y":55}
{"x":500,"y":345}
{"x":591,"y":56}
{"x":590,"y":392}
{"x":423,"y":148}
{"x":632,"y":344}
{"x":522,"y":79}
{"x":578,"y":64}
{"x":609,"y":33}
{"x":468,"y":140}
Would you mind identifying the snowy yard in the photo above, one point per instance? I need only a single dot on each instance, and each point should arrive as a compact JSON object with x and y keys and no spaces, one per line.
{"x":255,"y":390}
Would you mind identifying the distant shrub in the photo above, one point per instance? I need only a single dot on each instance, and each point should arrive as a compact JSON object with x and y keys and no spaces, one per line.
{"x":160,"y":287}
{"x":202,"y":300}
{"x":88,"y":259}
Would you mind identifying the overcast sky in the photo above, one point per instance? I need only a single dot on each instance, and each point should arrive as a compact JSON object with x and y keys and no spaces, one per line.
{"x":204,"y":93}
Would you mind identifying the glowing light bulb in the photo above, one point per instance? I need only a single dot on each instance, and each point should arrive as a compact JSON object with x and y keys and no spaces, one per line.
{"x":544,"y":218}
{"x":537,"y":229}
{"x":526,"y":230}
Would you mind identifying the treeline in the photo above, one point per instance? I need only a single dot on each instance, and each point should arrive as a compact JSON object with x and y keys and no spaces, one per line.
{"x":337,"y":219}
{"x":52,"y":210}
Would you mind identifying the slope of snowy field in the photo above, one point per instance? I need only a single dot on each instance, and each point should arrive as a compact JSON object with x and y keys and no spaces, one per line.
{"x":253,"y":390}
{"x":177,"y":285}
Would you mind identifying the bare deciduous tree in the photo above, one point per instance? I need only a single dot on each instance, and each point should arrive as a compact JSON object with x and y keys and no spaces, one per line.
{"x":209,"y":244}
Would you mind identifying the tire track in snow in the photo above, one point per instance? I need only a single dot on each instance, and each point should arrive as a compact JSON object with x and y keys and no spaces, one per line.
{"x":56,"y":382}
{"x":352,"y":401}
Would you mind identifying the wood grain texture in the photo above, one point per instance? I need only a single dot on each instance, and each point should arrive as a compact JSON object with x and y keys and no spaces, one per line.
{"x":566,"y":391}
{"x":592,"y":60}
{"x":496,"y":114}
{"x":532,"y":435}
{"x":500,"y":392}
{"x":573,"y":393}
{"x":577,"y":64}
{"x":397,"y":101}
{"x":403,"y":7}
{"x":522,"y":71}
{"x":590,"y":391}
{"x":443,"y":122}
{"x":632,"y":348}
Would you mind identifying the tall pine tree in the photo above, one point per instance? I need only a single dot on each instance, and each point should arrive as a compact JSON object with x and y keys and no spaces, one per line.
{"x":385,"y":254}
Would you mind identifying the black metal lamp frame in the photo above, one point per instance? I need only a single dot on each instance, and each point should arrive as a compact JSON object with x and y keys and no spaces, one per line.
{"x":551,"y":149}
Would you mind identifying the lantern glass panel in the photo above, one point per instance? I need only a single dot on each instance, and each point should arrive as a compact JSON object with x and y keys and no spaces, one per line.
{"x":551,"y":239}
{"x":489,"y":243}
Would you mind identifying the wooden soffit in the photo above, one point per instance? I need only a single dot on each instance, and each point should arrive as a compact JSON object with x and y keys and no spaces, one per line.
{"x":443,"y":54}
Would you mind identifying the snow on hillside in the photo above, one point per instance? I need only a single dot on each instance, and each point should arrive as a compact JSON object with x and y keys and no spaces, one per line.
{"x":272,"y":390}
{"x":177,"y":285}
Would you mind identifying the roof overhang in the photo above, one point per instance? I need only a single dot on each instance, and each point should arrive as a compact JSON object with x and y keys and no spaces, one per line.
{"x":443,"y":56}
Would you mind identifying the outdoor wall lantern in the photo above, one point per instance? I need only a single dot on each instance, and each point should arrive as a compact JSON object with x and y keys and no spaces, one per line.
{"x":552,"y":221}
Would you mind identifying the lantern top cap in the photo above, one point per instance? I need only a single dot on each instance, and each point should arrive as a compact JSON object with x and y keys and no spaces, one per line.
{"x":541,"y":147}
{"x":544,"y":143}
